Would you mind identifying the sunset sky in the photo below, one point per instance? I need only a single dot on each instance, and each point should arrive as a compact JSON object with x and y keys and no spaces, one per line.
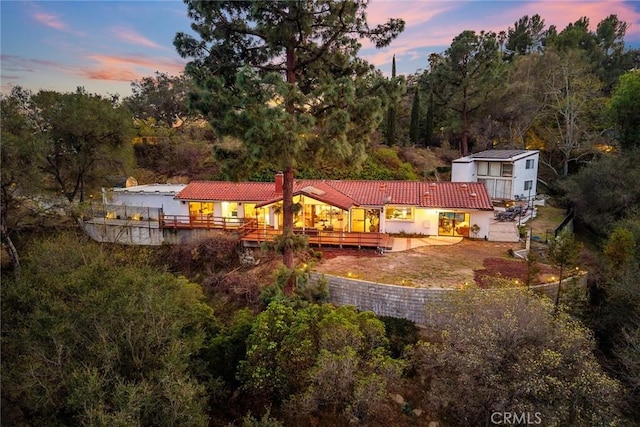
{"x":105,"y":45}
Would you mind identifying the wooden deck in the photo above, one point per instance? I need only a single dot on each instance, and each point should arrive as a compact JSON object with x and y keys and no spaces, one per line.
{"x":252,"y":232}
{"x":321,"y":238}
{"x":203,"y":221}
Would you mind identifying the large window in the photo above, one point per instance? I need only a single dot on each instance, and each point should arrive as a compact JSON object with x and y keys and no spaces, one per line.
{"x":483,"y":168}
{"x":530,"y":163}
{"x":453,"y":224}
{"x":197,"y":209}
{"x":230,"y":209}
{"x":399,"y":213}
{"x":495,"y":169}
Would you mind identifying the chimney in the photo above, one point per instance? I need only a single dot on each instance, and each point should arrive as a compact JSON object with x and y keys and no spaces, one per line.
{"x":279,"y":182}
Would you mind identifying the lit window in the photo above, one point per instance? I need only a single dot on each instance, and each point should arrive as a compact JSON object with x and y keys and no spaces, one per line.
{"x":400,"y":213}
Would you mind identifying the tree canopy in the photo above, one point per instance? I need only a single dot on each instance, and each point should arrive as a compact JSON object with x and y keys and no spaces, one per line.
{"x":162,"y":98}
{"x":506,"y":350}
{"x":625,"y":109}
{"x":86,"y":341}
{"x":468,"y":72}
{"x":284,"y":78}
{"x":83,"y":139}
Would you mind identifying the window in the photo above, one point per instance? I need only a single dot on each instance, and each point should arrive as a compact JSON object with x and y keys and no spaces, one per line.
{"x":530,"y":163}
{"x":483,"y":168}
{"x":200,"y":208}
{"x":495,"y":169}
{"x":507,"y":169}
{"x":400,"y":213}
{"x":528,"y":185}
{"x":503,"y":189}
{"x":230,"y":209}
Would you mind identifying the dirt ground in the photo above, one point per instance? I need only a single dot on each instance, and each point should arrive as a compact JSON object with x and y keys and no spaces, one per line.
{"x":442,"y":266}
{"x":428,"y":266}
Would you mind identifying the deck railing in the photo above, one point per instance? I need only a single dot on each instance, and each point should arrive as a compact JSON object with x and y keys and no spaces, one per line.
{"x":321,"y":237}
{"x":202,"y":221}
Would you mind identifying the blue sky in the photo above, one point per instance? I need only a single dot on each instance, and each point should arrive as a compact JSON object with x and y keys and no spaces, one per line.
{"x":105,"y":45}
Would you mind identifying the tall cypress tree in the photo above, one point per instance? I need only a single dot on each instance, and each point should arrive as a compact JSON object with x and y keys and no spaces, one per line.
{"x":391,"y":113}
{"x":414,"y":127}
{"x":429,"y":121}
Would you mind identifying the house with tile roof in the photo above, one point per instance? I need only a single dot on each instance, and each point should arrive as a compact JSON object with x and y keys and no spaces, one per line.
{"x":410,"y":207}
{"x":507,"y":174}
{"x":333,"y":210}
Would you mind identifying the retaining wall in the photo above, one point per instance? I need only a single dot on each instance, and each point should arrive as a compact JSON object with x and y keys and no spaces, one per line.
{"x":402,"y":302}
{"x":129,"y":232}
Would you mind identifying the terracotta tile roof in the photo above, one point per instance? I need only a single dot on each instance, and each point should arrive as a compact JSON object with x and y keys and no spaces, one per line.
{"x":455,"y":195}
{"x":324,"y":192}
{"x":227,"y":191}
{"x":377,"y":193}
{"x":345,"y":194}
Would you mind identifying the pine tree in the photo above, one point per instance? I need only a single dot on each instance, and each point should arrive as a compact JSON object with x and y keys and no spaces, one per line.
{"x":284,"y":77}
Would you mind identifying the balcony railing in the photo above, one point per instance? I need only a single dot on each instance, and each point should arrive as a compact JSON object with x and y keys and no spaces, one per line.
{"x":202,"y":221}
{"x":321,"y":237}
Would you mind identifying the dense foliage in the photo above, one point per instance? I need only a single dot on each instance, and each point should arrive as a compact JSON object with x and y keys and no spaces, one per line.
{"x":91,"y":339}
{"x":509,"y":351}
{"x":106,"y":335}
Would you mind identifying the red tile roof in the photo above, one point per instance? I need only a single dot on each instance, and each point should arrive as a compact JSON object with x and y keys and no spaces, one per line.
{"x":345,"y":194}
{"x":227,"y":191}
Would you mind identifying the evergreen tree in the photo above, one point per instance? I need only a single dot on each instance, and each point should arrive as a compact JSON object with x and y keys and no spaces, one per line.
{"x":625,"y":109}
{"x":468,"y":72}
{"x":414,"y":129}
{"x":526,"y":36}
{"x":284,"y":78}
{"x":391,"y":114}
{"x":429,"y":121}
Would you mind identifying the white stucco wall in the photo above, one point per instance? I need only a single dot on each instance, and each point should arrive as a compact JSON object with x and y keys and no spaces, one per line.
{"x":426,"y":222}
{"x":521,"y":174}
{"x":482,"y":219}
{"x":153,"y":196}
{"x":463,"y":170}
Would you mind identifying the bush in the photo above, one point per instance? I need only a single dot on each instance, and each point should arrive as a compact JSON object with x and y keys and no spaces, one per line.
{"x":205,"y":257}
{"x":400,"y":333}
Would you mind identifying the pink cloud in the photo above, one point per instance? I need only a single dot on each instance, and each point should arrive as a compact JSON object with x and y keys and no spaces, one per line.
{"x":132,"y":37}
{"x":50,"y":20}
{"x":128,"y":68}
{"x":413,"y":12}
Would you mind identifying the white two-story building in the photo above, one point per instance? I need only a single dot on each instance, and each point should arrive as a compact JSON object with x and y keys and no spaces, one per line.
{"x":507,"y":174}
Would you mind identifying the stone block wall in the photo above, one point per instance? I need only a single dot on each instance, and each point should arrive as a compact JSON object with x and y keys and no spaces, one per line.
{"x":401,"y":302}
